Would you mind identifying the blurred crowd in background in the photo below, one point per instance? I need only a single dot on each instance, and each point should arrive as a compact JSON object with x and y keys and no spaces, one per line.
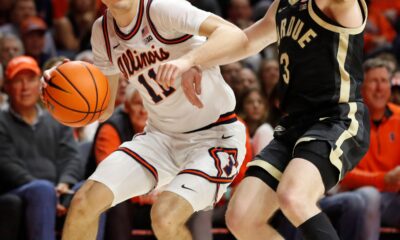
{"x":36,"y":175}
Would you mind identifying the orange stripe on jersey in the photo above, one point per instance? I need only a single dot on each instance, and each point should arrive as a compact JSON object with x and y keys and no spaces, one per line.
{"x":226,"y":118}
{"x":206,"y":176}
{"x":161,"y":38}
{"x":106,"y":37}
{"x":139,"y":159}
{"x":135,"y":29}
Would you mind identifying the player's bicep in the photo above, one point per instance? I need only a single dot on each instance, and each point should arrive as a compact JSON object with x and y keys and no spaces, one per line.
{"x":212,"y":23}
{"x":263,"y":32}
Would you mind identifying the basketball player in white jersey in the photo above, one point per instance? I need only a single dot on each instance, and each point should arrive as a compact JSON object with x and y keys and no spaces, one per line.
{"x":194,"y":150}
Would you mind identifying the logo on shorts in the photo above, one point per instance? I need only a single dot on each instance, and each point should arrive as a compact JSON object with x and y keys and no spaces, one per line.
{"x":226,"y":137}
{"x":184,"y":187}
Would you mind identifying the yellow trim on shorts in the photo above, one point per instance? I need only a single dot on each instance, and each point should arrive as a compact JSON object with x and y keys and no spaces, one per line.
{"x":267,"y":167}
{"x":335,"y":154}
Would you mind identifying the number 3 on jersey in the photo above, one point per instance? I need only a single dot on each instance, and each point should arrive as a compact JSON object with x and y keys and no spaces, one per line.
{"x":285,"y":62}
{"x":147,"y":81}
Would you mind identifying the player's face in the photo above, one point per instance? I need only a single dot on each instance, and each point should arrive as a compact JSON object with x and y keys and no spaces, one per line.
{"x":254,"y":107}
{"x":23,"y":90}
{"x":137,"y":112}
{"x":376,"y":88}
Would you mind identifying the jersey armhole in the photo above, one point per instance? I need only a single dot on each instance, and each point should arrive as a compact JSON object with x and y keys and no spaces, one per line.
{"x":104,"y":24}
{"x":158,"y":35}
{"x":315,"y":13}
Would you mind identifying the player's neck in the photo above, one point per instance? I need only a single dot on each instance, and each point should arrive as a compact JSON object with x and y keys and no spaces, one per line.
{"x":124,"y":16}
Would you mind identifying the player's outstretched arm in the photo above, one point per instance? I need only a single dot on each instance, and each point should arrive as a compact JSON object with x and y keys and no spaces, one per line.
{"x":226,"y":43}
{"x":113,"y":84}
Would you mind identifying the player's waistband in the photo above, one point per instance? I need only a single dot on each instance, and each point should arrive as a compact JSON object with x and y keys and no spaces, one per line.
{"x":225,"y":118}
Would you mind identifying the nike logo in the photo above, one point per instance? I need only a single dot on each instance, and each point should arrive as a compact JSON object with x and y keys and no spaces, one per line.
{"x":184,"y":187}
{"x":282,"y":9}
{"x":116,"y":46}
{"x":226,"y":137}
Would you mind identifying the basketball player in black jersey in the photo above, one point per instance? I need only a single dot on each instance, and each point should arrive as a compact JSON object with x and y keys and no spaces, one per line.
{"x":325,"y":130}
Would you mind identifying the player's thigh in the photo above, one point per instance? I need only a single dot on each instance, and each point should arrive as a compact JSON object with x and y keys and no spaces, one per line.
{"x":253,"y":200}
{"x":124,"y":176}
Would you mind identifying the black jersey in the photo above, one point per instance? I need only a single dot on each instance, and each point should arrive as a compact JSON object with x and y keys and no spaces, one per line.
{"x":320,"y":61}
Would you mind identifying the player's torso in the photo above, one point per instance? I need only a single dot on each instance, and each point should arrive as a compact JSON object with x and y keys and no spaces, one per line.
{"x":320,"y":62}
{"x":139,"y":53}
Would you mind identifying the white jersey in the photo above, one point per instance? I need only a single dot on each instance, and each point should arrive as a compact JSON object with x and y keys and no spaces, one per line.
{"x":163,"y":30}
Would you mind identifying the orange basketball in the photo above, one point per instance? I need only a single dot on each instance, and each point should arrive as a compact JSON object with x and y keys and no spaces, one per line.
{"x":77,"y":93}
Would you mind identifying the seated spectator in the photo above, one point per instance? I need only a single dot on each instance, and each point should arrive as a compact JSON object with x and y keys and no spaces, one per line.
{"x":21,"y":10}
{"x":73,"y":31}
{"x":380,"y":167}
{"x":395,"y":96}
{"x":249,"y":78}
{"x":254,"y":110}
{"x":269,"y":76}
{"x":33,"y":31}
{"x":39,"y":159}
{"x":5,"y":9}
{"x":10,"y":47}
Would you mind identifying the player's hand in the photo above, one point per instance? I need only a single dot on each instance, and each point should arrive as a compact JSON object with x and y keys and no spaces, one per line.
{"x":63,"y":188}
{"x":46,"y":78}
{"x":168,"y":72}
{"x":191,"y":85}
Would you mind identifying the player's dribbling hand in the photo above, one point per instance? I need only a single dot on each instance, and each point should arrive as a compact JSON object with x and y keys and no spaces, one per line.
{"x":168,"y":72}
{"x":46,"y":77}
{"x":191,"y":86}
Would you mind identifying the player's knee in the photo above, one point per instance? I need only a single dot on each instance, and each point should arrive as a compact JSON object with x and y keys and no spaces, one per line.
{"x":162,"y":221}
{"x":240,"y":222}
{"x":80,"y":204}
{"x":292,"y":199}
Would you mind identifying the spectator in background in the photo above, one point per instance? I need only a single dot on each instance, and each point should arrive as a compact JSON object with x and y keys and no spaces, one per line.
{"x":248,"y":78}
{"x":73,"y":31}
{"x":380,"y":167}
{"x":230,"y":73}
{"x":269,"y":76}
{"x":39,"y":159}
{"x":21,"y":10}
{"x":33,"y":30}
{"x":240,"y":13}
{"x":254,"y":111}
{"x":10,"y":47}
{"x":395,"y":96}
{"x":5,"y":9}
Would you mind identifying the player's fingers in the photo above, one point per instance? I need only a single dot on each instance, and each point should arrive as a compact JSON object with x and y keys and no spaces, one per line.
{"x":174,"y":76}
{"x":190,"y":92}
{"x":169,"y":76}
{"x":163,"y":73}
{"x":197,"y":83}
{"x":159,"y":73}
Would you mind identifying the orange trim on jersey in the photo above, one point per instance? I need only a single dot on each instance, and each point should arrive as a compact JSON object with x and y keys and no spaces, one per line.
{"x":226,"y":118}
{"x":206,"y":176}
{"x":106,"y":37}
{"x":139,"y":159}
{"x":161,"y":38}
{"x":135,"y":29}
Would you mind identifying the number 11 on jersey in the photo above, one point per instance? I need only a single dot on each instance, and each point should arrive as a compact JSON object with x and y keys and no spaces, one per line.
{"x":150,"y":90}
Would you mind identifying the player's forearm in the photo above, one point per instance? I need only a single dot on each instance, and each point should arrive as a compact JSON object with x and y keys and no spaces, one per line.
{"x":113,"y":85}
{"x":224,"y":45}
